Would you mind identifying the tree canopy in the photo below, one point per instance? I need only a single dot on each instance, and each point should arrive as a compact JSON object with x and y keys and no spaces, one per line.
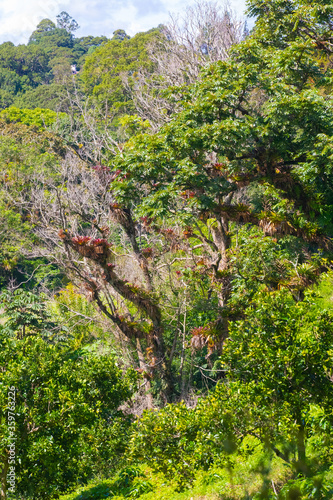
{"x":166,"y":257}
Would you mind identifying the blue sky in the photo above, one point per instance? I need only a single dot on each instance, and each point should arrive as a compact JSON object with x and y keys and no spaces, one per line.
{"x":95,"y":17}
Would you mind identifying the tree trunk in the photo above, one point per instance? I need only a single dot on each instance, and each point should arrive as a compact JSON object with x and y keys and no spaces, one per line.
{"x":301,"y":465}
{"x":301,"y":455}
{"x":161,"y":367}
{"x":182,"y":359}
{"x":143,"y":368}
{"x":222,"y":240}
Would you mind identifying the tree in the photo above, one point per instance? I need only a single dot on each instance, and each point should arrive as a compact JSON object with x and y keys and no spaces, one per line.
{"x":49,"y":37}
{"x":120,"y":35}
{"x":67,"y":423}
{"x":88,"y":248}
{"x":38,"y":117}
{"x":277,"y":376}
{"x":24,"y":151}
{"x":10,"y":81}
{"x":45,"y":25}
{"x":60,"y":65}
{"x":251,"y":144}
{"x":66,"y":22}
{"x":85,"y":46}
{"x":101,"y":74}
{"x":124,"y":269}
{"x":279,"y":356}
{"x":6,"y":99}
{"x":245,"y":147}
{"x":291,"y":24}
{"x":51,"y":96}
{"x":90,"y":41}
{"x":203,"y":35}
{"x":25,"y":314}
{"x":23,"y":67}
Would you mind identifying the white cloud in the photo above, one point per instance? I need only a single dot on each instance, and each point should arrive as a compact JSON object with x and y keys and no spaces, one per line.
{"x":96,"y":17}
{"x":19,"y":18}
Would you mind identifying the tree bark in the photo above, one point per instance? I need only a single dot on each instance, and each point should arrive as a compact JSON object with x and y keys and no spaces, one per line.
{"x":301,"y":465}
{"x":143,"y":368}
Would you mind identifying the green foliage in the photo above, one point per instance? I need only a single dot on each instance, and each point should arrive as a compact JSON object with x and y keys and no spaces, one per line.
{"x":67,"y":421}
{"x":41,"y":118}
{"x":265,"y":122}
{"x":171,"y":445}
{"x":131,"y":482}
{"x":287,"y":23}
{"x":49,"y":96}
{"x":242,"y":480}
{"x":120,"y":35}
{"x":225,"y":215}
{"x":102,"y":70}
{"x":6,"y":99}
{"x":281,"y":352}
{"x":37,"y":75}
{"x":317,"y":487}
{"x":25,"y":151}
{"x":278,"y":363}
{"x":25,"y":313}
{"x":72,"y":310}
{"x":22,"y":67}
{"x":48,"y":36}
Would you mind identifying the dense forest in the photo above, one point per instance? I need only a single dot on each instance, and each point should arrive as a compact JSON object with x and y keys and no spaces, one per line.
{"x":166,"y":258}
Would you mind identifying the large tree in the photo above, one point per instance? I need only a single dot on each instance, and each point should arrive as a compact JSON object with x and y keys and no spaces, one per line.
{"x":49,"y":37}
{"x":252,"y":144}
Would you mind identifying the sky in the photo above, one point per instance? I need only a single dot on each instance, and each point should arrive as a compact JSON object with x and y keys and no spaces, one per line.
{"x":19,"y":18}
